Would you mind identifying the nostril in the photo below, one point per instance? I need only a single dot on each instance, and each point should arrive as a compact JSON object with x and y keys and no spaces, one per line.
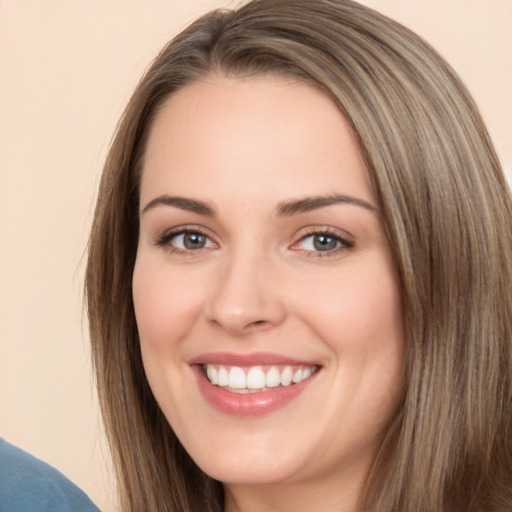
{"x":258,"y":323}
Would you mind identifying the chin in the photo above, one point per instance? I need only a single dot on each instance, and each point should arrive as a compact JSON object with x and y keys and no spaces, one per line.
{"x":251,"y":472}
{"x":246,"y":459}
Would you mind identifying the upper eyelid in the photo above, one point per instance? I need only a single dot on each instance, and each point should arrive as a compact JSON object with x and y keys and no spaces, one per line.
{"x":167,"y":235}
{"x":346,"y":240}
{"x":332,"y":235}
{"x":192,"y":228}
{"x":300,"y":235}
{"x":328,"y":230}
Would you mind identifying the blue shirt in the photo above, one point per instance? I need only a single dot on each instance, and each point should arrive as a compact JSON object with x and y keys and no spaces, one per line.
{"x":28,"y":484}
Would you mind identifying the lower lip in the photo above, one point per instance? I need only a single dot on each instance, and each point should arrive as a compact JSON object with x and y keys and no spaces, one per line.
{"x":249,"y":404}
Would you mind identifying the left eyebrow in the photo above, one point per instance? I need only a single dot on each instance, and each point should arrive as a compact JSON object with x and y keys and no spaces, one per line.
{"x":307,"y":204}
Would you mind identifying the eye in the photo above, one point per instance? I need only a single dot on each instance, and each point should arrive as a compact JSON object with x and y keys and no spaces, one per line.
{"x":322,"y":244}
{"x":185,"y":241}
{"x":190,"y":241}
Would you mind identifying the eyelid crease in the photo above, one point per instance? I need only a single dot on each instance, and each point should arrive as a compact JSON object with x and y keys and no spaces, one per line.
{"x":345,"y":244}
{"x":321,"y":229}
{"x":168,"y":235}
{"x":330,"y":232}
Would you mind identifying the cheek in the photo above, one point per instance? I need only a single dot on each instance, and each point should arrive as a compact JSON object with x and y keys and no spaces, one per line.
{"x":165,"y":307}
{"x":360,"y":320}
{"x":358,"y":309}
{"x":165,"y":310}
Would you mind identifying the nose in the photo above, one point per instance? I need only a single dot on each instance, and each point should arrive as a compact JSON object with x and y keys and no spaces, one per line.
{"x":246,"y":297}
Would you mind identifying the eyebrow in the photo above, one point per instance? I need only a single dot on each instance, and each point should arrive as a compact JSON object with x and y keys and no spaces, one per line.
{"x":307,"y":204}
{"x":284,"y":209}
{"x":183,"y":203}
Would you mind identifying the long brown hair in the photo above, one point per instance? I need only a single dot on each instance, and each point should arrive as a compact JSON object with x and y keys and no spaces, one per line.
{"x":448,"y":214}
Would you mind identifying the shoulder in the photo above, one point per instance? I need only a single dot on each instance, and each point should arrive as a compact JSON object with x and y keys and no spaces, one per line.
{"x":28,"y":484}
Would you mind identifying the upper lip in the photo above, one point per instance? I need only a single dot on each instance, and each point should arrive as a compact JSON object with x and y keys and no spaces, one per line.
{"x":254,"y":359}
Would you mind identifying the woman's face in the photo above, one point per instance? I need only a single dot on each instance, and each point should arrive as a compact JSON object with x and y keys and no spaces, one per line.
{"x":265,"y":293}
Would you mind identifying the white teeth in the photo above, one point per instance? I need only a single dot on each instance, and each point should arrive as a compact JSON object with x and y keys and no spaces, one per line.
{"x":273,"y":378}
{"x":223,"y":377}
{"x":256,"y":377}
{"x":286,"y":376}
{"x":237,"y":379}
{"x":306,"y":372}
{"x":212,"y":373}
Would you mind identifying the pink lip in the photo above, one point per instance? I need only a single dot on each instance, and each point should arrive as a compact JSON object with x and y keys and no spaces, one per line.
{"x":256,"y":359}
{"x":247,"y":404}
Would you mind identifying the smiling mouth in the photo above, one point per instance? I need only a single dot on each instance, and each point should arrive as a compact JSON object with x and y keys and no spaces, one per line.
{"x":256,"y":379}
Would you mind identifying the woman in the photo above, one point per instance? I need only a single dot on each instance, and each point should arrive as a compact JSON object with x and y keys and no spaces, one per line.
{"x":298,"y":279}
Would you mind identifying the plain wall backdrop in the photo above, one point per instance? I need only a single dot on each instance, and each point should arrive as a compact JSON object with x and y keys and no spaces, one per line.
{"x":67,"y":68}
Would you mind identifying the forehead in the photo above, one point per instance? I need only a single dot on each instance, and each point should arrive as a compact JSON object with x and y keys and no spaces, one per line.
{"x":255,"y":135}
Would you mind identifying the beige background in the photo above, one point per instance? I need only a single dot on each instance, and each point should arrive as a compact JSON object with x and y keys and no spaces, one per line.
{"x":67,"y":67}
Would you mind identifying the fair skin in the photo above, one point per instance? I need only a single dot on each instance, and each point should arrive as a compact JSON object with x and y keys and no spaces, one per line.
{"x":240,"y":272}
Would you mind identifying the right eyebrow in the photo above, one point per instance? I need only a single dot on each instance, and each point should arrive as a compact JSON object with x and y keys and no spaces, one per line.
{"x":183,"y":203}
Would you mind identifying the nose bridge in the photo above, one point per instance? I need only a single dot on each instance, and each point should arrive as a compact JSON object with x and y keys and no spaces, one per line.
{"x":245,"y":296}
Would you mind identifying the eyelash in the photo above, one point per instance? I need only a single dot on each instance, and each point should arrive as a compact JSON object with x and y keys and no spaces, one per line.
{"x":342,"y":243}
{"x":165,"y":240}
